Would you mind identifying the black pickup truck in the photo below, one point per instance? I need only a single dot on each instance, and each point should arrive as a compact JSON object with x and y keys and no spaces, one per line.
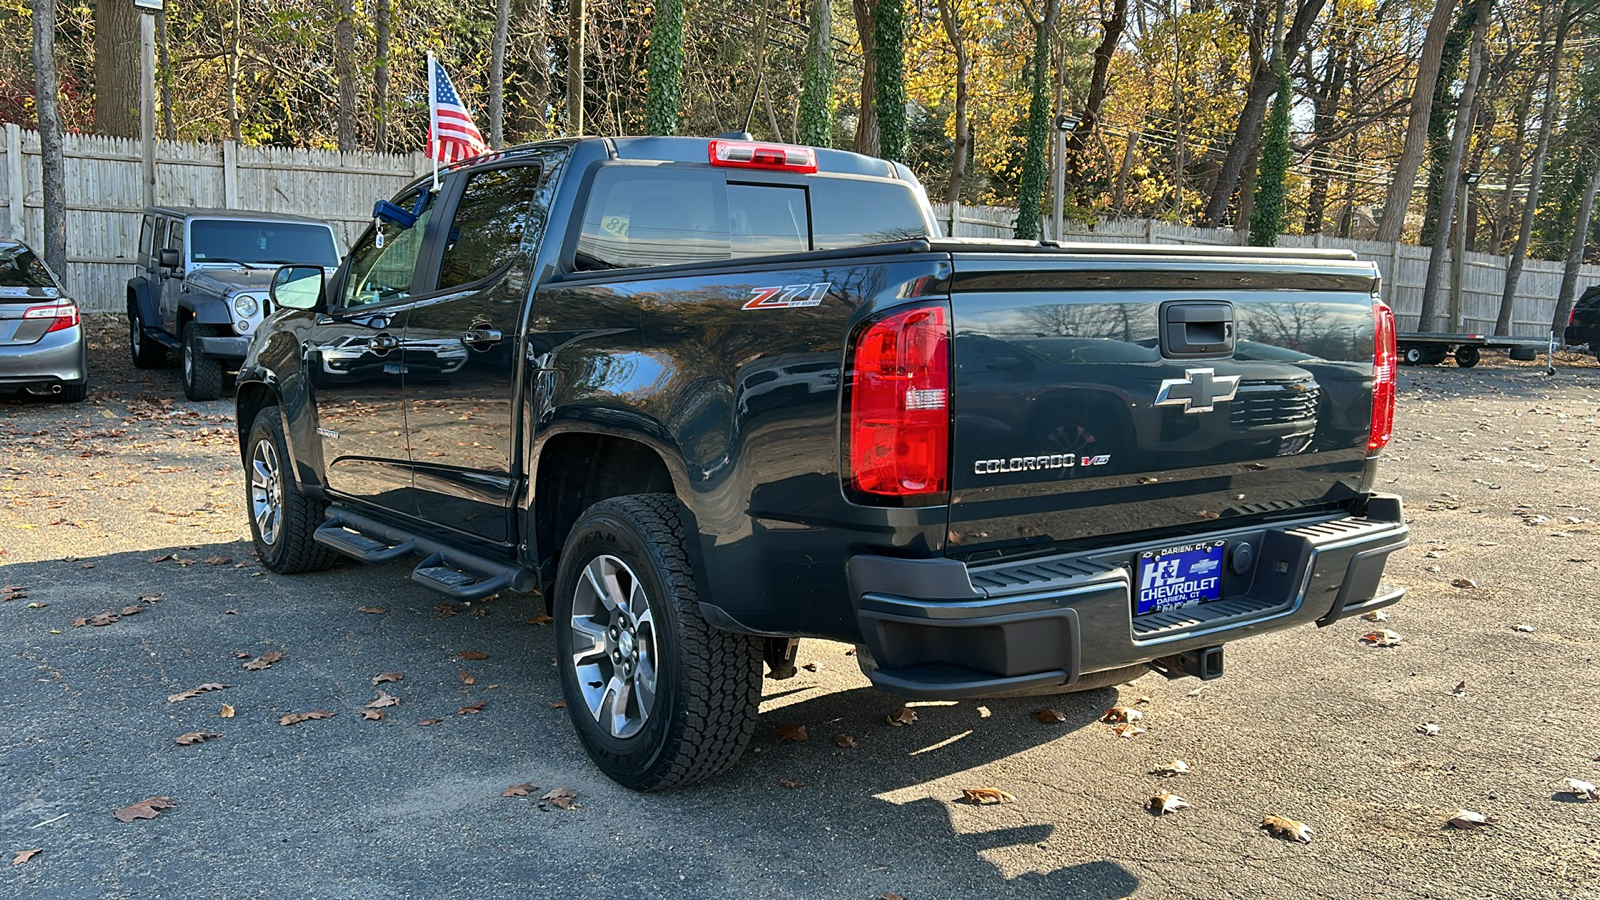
{"x":712,"y":396}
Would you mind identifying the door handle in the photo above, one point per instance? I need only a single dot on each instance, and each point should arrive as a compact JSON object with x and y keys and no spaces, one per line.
{"x":383,"y":343}
{"x":482,"y":338}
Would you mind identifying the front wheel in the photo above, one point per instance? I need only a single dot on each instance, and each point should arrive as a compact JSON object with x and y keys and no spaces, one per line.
{"x":202,"y":373}
{"x":282,"y":519}
{"x":658,"y":697}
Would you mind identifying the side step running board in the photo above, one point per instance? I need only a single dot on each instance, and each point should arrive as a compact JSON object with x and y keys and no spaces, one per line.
{"x":449,"y":570}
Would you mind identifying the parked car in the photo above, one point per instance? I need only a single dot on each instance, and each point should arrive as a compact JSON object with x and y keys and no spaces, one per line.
{"x":1583,"y":323}
{"x":203,"y":288}
{"x":42,"y":350}
{"x":714,"y":396}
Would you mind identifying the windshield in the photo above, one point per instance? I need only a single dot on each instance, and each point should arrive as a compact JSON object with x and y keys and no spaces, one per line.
{"x":20,"y":268}
{"x":261,"y":243}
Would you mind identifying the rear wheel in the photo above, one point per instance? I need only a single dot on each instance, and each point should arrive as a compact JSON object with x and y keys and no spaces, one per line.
{"x":658,"y":697}
{"x":147,"y":354}
{"x":1467,"y":357}
{"x":1411,"y":355}
{"x":202,"y":373}
{"x":282,"y":519}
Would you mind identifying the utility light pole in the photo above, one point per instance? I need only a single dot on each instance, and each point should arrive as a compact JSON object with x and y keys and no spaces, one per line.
{"x":1458,"y":259}
{"x":147,"y":94}
{"x":1058,"y":179}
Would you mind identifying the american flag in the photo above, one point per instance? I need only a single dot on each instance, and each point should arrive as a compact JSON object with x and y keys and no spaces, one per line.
{"x":451,"y":134}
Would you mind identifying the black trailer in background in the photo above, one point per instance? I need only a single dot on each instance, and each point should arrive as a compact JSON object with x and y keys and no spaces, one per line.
{"x":1429,"y":348}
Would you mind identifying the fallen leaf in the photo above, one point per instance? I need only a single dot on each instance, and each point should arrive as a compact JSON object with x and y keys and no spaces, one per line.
{"x":471,"y":709}
{"x":811,"y":667}
{"x":784,"y":782}
{"x":1050,"y":714}
{"x":226,"y":713}
{"x":518,"y":790}
{"x":1583,"y":789}
{"x":132,"y":610}
{"x":1466,"y":583}
{"x":557,"y":704}
{"x":905,"y":715}
{"x":164,"y":558}
{"x":386,"y":678}
{"x":264,"y":660}
{"x":891,"y":895}
{"x":467,"y":678}
{"x":296,"y":718}
{"x":1172,"y":769}
{"x":191,"y":738}
{"x":426,"y":722}
{"x":144,"y":809}
{"x":1196,"y":692}
{"x":1376,"y":615}
{"x":190,"y":695}
{"x":372,"y":715}
{"x":1122,"y":714}
{"x":1163,"y":803}
{"x":1526,"y":629}
{"x":445,"y":610}
{"x":1127,"y":730}
{"x":560,"y":798}
{"x":1459,"y":689}
{"x":1142,"y":700}
{"x":1428,"y":728}
{"x":217,"y":561}
{"x":791,"y":731}
{"x":844,"y":740}
{"x":1466,"y":818}
{"x":37,"y":605}
{"x":474,"y":654}
{"x":985,"y":796}
{"x":384,"y":699}
{"x":541,"y":620}
{"x":1288,"y":829}
{"x":371,"y":610}
{"x":25,"y":855}
{"x":1383,"y":638}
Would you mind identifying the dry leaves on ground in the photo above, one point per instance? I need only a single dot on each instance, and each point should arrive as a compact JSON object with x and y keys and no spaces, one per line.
{"x":144,"y":809}
{"x":985,"y":796}
{"x":784,"y":782}
{"x":1431,"y":729}
{"x":905,"y":715}
{"x":296,"y":718}
{"x":386,"y":678}
{"x":1525,"y":629}
{"x":23,"y":856}
{"x":1050,"y":714}
{"x":467,"y":678}
{"x":264,"y":661}
{"x":371,"y":610}
{"x":1288,"y":829}
{"x":1582,"y":789}
{"x":1459,"y":689}
{"x":372,"y":715}
{"x":1127,"y":730}
{"x":1122,"y":714}
{"x":474,"y":654}
{"x":190,"y":695}
{"x":1383,"y":638}
{"x":1376,"y":615}
{"x":426,"y":722}
{"x":1172,"y":769}
{"x":98,"y":621}
{"x":471,"y":709}
{"x":844,"y":740}
{"x":226,"y":712}
{"x":557,"y":704}
{"x":559,"y":798}
{"x":384,"y":699}
{"x":189,"y":739}
{"x":1464,"y":583}
{"x":519,"y":790}
{"x":791,"y":731}
{"x":217,"y":560}
{"x":541,"y":619}
{"x":1163,"y":803}
{"x":1466,"y":818}
{"x":132,"y":610}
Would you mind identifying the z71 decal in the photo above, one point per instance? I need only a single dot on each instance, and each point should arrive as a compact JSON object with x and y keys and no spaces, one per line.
{"x":788,"y":296}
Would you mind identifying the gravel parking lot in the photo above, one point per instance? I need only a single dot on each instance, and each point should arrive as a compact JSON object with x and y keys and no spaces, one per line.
{"x":132,"y":505}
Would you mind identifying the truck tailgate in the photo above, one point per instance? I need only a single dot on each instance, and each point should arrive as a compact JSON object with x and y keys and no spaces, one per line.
{"x":1101,"y":396}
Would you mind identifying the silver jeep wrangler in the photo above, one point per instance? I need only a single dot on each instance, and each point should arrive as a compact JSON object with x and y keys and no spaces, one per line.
{"x":203,"y":288}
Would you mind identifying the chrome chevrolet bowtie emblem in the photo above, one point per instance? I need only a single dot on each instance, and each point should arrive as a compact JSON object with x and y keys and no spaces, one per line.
{"x":1198,"y":391}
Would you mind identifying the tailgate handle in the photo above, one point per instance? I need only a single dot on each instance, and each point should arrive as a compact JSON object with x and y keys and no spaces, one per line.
{"x":1195,"y":329}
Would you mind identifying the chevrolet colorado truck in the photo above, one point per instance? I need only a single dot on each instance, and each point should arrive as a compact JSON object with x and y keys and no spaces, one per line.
{"x":714,"y":396}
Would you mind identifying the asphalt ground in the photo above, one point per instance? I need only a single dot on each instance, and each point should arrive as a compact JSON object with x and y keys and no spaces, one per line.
{"x":135,"y":498}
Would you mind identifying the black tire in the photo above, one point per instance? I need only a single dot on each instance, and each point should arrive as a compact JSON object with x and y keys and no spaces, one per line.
{"x":1467,"y":357}
{"x":1432,"y":356}
{"x":707,"y":683}
{"x":289,"y":548}
{"x":1597,"y":351}
{"x":1093,"y":681}
{"x":1411,"y":354}
{"x":202,"y":374}
{"x":71,"y":393}
{"x":146,"y":354}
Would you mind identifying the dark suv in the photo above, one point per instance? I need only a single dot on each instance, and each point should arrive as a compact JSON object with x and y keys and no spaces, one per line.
{"x":1583,"y":323}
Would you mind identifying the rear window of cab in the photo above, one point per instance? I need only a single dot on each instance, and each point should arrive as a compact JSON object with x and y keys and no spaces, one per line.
{"x":640,"y":216}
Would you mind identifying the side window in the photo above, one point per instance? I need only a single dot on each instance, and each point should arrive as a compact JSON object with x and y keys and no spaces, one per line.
{"x":855,"y":212}
{"x":147,"y":231}
{"x":381,"y":270}
{"x":653,"y":216}
{"x":160,"y":241}
{"x":175,"y":238}
{"x":494,"y":215}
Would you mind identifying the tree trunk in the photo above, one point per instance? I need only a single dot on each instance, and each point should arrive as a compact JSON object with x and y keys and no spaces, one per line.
{"x":1452,"y":169}
{"x":1439,"y":115}
{"x":380,"y":77}
{"x":1263,"y":84}
{"x":1325,"y":108}
{"x":950,"y":16}
{"x":164,"y":48}
{"x":234,"y":129}
{"x":532,"y":115}
{"x":577,"y":12}
{"x":497,"y":75}
{"x":815,"y":127}
{"x":1099,"y":85}
{"x":866,"y":112}
{"x":1541,"y":153}
{"x":1580,"y":242}
{"x":345,"y":68}
{"x":1119,"y":189}
{"x":116,"y":68}
{"x":889,"y":77}
{"x":1266,"y":213}
{"x":664,"y":80}
{"x":1031,"y":192}
{"x":52,"y":162}
{"x":1393,"y":221}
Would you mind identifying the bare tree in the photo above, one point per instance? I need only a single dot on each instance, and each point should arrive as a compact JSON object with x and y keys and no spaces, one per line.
{"x":1111,"y":28}
{"x":1580,"y":242}
{"x":497,"y":75}
{"x":164,"y":56}
{"x":234,"y":37}
{"x":116,"y":68}
{"x":380,"y":77}
{"x":53,"y":178}
{"x":344,"y":66}
{"x":577,"y":13}
{"x":866,"y":114}
{"x":1393,"y":222}
{"x":950,"y":17}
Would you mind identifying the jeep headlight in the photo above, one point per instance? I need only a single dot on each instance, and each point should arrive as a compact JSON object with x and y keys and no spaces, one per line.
{"x":246,"y":305}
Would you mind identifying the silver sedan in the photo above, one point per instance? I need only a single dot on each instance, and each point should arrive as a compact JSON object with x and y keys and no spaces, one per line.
{"x":42,"y":350}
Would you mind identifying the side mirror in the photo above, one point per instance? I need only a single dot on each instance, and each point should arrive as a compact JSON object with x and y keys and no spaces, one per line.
{"x":298,"y":287}
{"x":168,"y":258}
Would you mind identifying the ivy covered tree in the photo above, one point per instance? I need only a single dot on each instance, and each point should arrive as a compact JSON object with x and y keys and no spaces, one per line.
{"x":816,"y":91}
{"x":1030,"y":194}
{"x":889,"y":100}
{"x":665,"y":76}
{"x":1266,"y":214}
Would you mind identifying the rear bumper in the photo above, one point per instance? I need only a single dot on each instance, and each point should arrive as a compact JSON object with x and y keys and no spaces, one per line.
{"x":940,"y":629}
{"x":57,"y":358}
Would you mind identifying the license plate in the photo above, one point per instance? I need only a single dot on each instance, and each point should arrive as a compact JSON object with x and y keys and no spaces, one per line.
{"x":1175,"y":577}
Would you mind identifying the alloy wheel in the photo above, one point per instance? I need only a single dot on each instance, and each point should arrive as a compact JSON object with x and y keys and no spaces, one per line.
{"x":266,"y":491}
{"x":614,"y":652}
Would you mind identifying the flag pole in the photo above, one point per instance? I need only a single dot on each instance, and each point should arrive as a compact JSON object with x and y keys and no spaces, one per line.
{"x":433,"y":118}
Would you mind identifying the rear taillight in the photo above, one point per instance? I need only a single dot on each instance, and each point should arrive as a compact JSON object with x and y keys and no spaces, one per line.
{"x":64,"y":313}
{"x":897,"y":425}
{"x":1384,"y":366}
{"x":1572,"y":314}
